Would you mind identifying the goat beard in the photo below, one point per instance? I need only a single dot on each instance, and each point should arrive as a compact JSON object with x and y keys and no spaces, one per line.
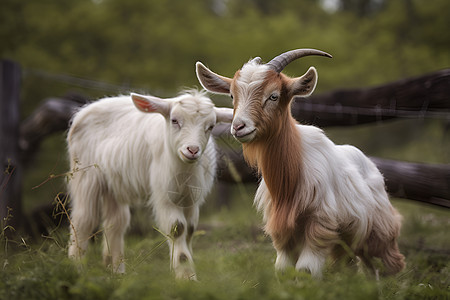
{"x":278,"y":158}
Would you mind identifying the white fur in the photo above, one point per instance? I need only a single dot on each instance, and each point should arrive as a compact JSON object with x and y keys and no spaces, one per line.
{"x":350,"y":191}
{"x":251,"y":77}
{"x":121,"y":156}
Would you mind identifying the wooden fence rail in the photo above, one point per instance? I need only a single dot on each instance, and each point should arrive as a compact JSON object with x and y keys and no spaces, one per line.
{"x":429,"y":183}
{"x":420,"y":97}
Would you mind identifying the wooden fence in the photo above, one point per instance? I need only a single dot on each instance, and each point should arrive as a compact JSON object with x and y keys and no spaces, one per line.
{"x":421,"y":97}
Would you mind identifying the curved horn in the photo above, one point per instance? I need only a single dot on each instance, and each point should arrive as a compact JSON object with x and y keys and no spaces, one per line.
{"x":282,"y":60}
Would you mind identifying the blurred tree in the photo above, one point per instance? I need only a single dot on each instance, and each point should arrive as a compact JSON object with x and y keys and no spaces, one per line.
{"x":156,"y":43}
{"x":362,"y":8}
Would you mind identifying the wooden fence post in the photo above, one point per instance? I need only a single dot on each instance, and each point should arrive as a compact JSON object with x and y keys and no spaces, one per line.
{"x":11,"y":170}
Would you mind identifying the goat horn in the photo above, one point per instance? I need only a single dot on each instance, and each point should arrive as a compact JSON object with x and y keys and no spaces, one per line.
{"x":282,"y":60}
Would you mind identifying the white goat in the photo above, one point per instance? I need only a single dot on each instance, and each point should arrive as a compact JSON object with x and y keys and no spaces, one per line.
{"x":166,"y":159}
{"x":317,"y":198}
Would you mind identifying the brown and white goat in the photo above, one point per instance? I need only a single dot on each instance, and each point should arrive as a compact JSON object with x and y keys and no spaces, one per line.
{"x":318,"y":199}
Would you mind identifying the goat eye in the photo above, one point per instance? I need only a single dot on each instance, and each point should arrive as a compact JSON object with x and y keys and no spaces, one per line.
{"x":174,"y":121}
{"x":231,"y":96}
{"x":273,"y":97}
{"x":210,"y":127}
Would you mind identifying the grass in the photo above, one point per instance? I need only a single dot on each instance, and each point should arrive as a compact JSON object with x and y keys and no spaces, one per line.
{"x":234,"y":260}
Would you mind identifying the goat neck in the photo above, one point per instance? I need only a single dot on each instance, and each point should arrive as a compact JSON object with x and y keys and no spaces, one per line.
{"x":279,"y":160}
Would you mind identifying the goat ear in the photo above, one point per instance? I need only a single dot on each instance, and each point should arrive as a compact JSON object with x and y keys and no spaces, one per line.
{"x":304,"y":85}
{"x":150,"y":104}
{"x":212,"y":81}
{"x":224,"y":114}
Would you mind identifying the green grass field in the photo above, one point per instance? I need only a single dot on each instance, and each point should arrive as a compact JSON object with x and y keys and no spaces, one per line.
{"x":234,"y":260}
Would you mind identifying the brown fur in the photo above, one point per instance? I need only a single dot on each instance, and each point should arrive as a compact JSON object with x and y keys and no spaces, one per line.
{"x":277,"y":155}
{"x":281,"y":170}
{"x":382,"y":243}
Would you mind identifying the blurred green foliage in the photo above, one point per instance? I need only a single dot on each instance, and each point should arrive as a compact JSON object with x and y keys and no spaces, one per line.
{"x":234,"y":260}
{"x":155,"y":43}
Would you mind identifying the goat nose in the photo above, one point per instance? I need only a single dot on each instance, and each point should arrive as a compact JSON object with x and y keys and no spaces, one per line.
{"x":193,"y":149}
{"x":238,"y":126}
